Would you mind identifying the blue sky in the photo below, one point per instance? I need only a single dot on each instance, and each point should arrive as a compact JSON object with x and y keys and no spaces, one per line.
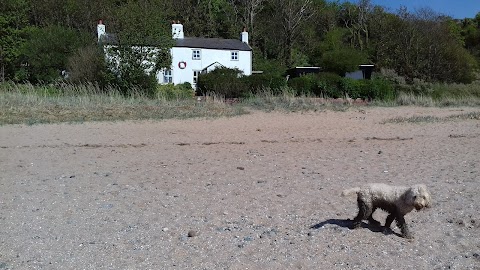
{"x":457,"y":9}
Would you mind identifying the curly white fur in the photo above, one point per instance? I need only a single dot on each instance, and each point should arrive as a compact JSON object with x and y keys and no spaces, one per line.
{"x":396,"y":200}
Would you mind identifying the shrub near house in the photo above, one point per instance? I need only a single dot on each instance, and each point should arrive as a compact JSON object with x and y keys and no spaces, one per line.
{"x":378,"y":89}
{"x":331,"y":85}
{"x":230,"y":83}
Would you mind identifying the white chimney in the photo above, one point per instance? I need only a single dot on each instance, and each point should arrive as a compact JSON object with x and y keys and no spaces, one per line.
{"x":101,"y":30}
{"x":177,"y":30}
{"x":245,"y":35}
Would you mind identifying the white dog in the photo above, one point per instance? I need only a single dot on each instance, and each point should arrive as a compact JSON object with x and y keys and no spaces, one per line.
{"x":397,"y":201}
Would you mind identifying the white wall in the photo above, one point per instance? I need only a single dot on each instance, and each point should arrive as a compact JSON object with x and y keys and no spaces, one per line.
{"x":208,"y":56}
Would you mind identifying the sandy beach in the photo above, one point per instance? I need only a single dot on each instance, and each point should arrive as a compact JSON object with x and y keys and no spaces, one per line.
{"x":258,"y":191}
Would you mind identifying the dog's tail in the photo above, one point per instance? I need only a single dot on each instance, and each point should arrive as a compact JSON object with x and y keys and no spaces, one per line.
{"x":349,"y":191}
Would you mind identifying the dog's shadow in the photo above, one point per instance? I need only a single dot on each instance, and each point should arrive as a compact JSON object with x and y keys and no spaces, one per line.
{"x":347,"y":223}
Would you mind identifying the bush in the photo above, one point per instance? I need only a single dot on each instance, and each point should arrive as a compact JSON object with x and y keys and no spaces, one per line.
{"x":382,"y":90}
{"x":88,"y":65}
{"x":305,"y":85}
{"x":331,"y":85}
{"x":135,"y":81}
{"x":378,"y":89}
{"x":222,"y":81}
{"x":328,"y":85}
{"x":174,"y":92}
{"x":258,"y":82}
{"x":356,"y":88}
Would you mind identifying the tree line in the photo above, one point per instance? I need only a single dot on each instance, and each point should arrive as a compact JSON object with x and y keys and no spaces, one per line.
{"x":41,"y":38}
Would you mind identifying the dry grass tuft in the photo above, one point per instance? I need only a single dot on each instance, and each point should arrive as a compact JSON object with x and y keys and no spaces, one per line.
{"x":433,"y":119}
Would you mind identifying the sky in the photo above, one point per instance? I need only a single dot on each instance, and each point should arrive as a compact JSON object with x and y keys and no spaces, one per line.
{"x":457,"y":9}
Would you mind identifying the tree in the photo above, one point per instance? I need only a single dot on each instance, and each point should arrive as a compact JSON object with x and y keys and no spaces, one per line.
{"x":35,"y":40}
{"x":323,"y":20}
{"x":293,"y":15}
{"x":338,"y":57}
{"x":13,"y":29}
{"x":423,"y":45}
{"x":206,"y":18}
{"x":248,"y":11}
{"x":143,"y":46}
{"x":47,"y":50}
{"x":87,"y":65}
{"x":470,"y":31}
{"x":356,"y":18}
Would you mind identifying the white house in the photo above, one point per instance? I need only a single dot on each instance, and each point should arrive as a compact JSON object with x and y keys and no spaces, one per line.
{"x":192,"y":55}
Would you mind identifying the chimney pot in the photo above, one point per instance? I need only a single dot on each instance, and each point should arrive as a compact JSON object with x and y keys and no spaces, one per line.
{"x":177,"y":30}
{"x":244,"y":35}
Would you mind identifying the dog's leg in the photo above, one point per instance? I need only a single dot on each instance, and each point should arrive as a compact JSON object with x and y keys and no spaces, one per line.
{"x":364,"y":211}
{"x":403,"y":227}
{"x":372,"y":221}
{"x":389,"y":220}
{"x":388,"y":223}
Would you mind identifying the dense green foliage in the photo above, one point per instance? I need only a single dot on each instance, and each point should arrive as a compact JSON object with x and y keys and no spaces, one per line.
{"x":328,"y":85}
{"x":174,"y":92}
{"x":378,"y":89}
{"x":47,"y":51}
{"x":39,"y":39}
{"x":222,"y":81}
{"x":229,"y":83}
{"x":259,"y":82}
{"x":331,"y":85}
{"x":143,"y":41}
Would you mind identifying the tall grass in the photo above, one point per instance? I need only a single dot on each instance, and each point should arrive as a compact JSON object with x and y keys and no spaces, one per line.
{"x":29,"y":104}
{"x":287,"y":100}
{"x":422,"y":93}
{"x":439,"y":101}
{"x":432,"y":119}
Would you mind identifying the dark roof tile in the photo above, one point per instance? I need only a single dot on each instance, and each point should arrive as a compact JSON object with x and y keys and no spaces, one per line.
{"x":212,"y":43}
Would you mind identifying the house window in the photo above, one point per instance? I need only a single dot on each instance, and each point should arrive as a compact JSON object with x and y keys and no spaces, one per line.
{"x":234,"y":56}
{"x":167,"y":76}
{"x":196,"y":55}
{"x":195,"y":77}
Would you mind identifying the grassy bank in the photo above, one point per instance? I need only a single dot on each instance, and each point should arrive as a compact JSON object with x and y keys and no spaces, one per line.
{"x":29,"y":104}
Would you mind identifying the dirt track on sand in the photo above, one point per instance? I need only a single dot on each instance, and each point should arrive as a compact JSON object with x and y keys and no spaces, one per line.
{"x":260,"y":191}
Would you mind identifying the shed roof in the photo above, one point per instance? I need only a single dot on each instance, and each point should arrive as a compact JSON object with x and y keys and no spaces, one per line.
{"x":212,"y":43}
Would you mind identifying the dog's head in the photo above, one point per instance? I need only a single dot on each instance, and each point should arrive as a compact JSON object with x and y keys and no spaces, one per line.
{"x":419,"y":197}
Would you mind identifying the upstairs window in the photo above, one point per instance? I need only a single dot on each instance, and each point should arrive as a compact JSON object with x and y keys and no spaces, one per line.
{"x":196,"y":55}
{"x":167,"y":76}
{"x":234,"y":56}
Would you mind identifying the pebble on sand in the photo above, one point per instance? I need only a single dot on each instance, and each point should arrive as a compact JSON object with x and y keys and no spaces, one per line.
{"x":192,"y":233}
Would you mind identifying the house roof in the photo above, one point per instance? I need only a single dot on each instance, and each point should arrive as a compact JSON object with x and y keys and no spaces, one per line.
{"x":195,"y":42}
{"x":212,"y":43}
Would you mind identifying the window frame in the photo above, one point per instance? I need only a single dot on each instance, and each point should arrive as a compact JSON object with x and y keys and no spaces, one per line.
{"x":196,"y":54}
{"x":167,"y":76}
{"x":234,"y":56}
